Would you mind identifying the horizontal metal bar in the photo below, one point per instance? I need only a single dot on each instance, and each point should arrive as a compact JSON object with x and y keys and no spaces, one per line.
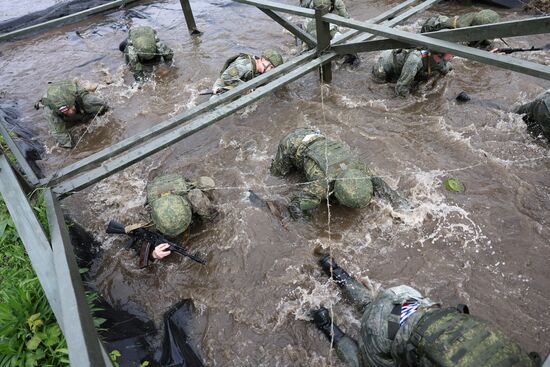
{"x":272,"y":5}
{"x":396,"y":20}
{"x":159,"y":143}
{"x":506,"y":62}
{"x":368,"y":46}
{"x":32,"y":234}
{"x":296,"y":31}
{"x":508,"y":29}
{"x":75,"y":16}
{"x":29,"y":174}
{"x":166,"y":125}
{"x":514,"y":28}
{"x":79,"y":330}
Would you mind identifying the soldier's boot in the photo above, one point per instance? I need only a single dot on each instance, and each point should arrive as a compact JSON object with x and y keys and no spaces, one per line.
{"x":355,"y":292}
{"x":346,"y":347}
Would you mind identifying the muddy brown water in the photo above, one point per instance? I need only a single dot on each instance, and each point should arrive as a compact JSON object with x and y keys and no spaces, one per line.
{"x":487,"y":247}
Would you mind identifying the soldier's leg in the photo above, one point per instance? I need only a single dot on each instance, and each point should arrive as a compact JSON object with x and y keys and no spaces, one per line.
{"x":58,"y":128}
{"x":355,"y":292}
{"x":346,"y":347}
{"x":93,"y":105}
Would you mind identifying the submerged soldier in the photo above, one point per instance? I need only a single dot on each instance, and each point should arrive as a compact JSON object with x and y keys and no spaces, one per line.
{"x":400,"y":327}
{"x":68,"y":102}
{"x":174,"y":201}
{"x":481,"y":17}
{"x":329,"y":166}
{"x":537,"y":114}
{"x":244,"y":67}
{"x":143,"y":47}
{"x":406,"y":67}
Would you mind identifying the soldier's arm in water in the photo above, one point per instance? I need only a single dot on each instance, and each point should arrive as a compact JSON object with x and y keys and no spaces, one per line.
{"x":166,"y":52}
{"x":314,"y":191}
{"x":282,"y":164}
{"x":230,"y":78}
{"x":383,"y":190}
{"x":201,"y":205}
{"x":132,"y":59}
{"x":412,"y":66}
{"x":58,"y":128}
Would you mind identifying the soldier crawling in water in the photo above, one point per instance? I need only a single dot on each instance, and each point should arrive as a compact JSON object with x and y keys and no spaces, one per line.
{"x":329,"y":166}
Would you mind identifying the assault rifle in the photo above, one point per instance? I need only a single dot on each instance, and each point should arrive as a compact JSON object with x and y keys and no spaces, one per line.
{"x":210,"y":92}
{"x":510,"y":50}
{"x":150,"y":240}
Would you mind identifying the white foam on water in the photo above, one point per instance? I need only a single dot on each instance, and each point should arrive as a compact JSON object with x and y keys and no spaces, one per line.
{"x":350,"y":102}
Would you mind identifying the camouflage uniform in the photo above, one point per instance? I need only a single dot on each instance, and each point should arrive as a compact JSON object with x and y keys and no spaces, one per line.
{"x":407,"y":67}
{"x":327,"y":165}
{"x":173,"y":201}
{"x":338,"y":7}
{"x":242,"y":68}
{"x":392,"y":335}
{"x":143,"y":46}
{"x":236,"y":70}
{"x":537,"y":114}
{"x":482,"y":17}
{"x":69,"y":93}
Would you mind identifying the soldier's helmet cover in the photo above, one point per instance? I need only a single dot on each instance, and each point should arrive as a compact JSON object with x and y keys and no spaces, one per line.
{"x":61,"y":93}
{"x":143,"y":39}
{"x":353,"y":188}
{"x":273,"y":57}
{"x":486,"y":16}
{"x":171,"y":214}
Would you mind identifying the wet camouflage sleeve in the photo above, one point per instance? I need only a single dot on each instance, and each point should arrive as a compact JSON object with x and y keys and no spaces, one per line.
{"x":166,"y":52}
{"x":412,"y":66}
{"x":283,"y":162}
{"x":538,"y":112}
{"x":314,"y":190}
{"x":92,"y":105}
{"x":201,"y":204}
{"x":383,"y":190}
{"x":58,"y":128}
{"x":132,"y":58}
{"x":239,"y":71}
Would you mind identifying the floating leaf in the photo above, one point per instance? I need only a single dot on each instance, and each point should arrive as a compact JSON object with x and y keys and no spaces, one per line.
{"x":452,"y":184}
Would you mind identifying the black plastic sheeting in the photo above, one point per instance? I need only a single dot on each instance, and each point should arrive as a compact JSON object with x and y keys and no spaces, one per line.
{"x":24,"y":137}
{"x":133,"y":335}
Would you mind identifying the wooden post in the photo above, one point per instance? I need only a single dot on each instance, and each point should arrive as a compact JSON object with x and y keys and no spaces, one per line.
{"x":189,"y":19}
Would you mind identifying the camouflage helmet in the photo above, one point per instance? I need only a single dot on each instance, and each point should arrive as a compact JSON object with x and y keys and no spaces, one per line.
{"x":143,"y":39}
{"x":171,"y":214}
{"x":486,"y":16}
{"x":274,"y":57}
{"x":353,"y":188}
{"x":59,"y":94}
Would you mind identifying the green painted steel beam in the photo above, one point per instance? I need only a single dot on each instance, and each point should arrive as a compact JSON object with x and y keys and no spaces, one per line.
{"x":322,"y":29}
{"x":272,"y":5}
{"x":28,"y":173}
{"x":123,"y":145}
{"x":419,"y":40}
{"x":65,"y":19}
{"x":78,"y":326}
{"x":32,"y":235}
{"x":517,"y":28}
{"x":296,"y":31}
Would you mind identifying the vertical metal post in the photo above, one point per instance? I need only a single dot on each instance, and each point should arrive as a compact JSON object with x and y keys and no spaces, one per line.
{"x":323,"y":42}
{"x":189,"y":19}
